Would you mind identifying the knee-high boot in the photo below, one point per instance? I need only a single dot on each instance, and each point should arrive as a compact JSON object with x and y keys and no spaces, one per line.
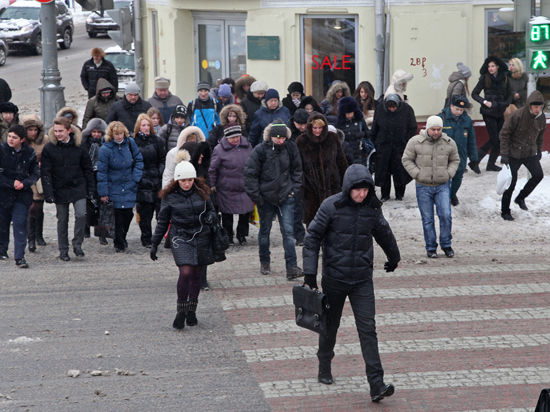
{"x":39,"y":229}
{"x":191,"y":313}
{"x":179,"y":322}
{"x":31,"y":234}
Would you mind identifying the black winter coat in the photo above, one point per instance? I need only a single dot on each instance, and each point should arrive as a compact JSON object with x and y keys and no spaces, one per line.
{"x":250,"y":106}
{"x":273,"y":172}
{"x":496,"y":89}
{"x":346,"y":229}
{"x":127,"y":113}
{"x":390,"y":133}
{"x":66,"y":172}
{"x":90,"y":74}
{"x":22,"y":166}
{"x":289,"y":104}
{"x":189,"y":216}
{"x":355,"y":130}
{"x":152,"y":150}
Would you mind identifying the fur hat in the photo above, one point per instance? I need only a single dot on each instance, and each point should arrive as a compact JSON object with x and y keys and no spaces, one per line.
{"x":162,"y":83}
{"x":347,"y":105}
{"x":434,"y":121}
{"x":18,"y":130}
{"x":259,"y":86}
{"x":464,"y":70}
{"x":184,"y":169}
{"x":295,"y":87}
{"x":224,"y":90}
{"x":300,"y":116}
{"x":271,"y":94}
{"x":132,"y":88}
{"x":8,"y":107}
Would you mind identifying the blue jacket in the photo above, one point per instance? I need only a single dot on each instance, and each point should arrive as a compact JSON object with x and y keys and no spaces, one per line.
{"x":461,"y":130}
{"x":116,"y":177}
{"x":262,"y":118}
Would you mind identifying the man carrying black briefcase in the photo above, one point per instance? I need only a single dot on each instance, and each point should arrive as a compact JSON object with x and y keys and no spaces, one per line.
{"x":345,"y":225}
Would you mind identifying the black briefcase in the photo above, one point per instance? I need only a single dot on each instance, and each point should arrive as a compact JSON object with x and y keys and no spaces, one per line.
{"x":543,"y":405}
{"x":311,"y":308}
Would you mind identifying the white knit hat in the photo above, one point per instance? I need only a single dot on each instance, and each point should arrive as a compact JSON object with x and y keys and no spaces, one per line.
{"x":434,"y":121}
{"x":258,"y":86}
{"x":184,"y":169}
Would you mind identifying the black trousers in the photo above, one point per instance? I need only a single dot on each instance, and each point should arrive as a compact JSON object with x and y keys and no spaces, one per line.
{"x":493,"y":125}
{"x":533,"y":165}
{"x":361,"y":297}
{"x":146,"y":212}
{"x":299,"y":231}
{"x":242,"y":226}
{"x":123,"y":218}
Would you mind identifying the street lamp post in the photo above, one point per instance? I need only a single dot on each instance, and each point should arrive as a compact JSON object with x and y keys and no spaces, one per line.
{"x":51,"y":91}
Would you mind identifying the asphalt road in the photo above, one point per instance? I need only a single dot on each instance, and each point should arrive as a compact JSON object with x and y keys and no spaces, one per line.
{"x":23,"y":72}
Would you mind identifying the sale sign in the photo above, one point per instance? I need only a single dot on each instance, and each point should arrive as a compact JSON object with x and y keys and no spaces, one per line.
{"x":334,"y":63}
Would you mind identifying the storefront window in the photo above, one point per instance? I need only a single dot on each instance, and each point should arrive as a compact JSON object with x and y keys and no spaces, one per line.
{"x":237,"y":50}
{"x":328,"y":52}
{"x":210,"y":52}
{"x":502,"y":41}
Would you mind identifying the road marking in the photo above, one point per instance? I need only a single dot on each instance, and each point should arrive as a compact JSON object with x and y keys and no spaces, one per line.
{"x":396,"y":346}
{"x":405,"y":318}
{"x":411,"y":381}
{"x":403,"y":293}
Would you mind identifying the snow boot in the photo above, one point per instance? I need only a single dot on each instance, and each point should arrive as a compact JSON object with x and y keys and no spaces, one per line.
{"x":31,"y":234}
{"x":39,"y":228}
{"x":179,"y":322}
{"x":191,"y":313}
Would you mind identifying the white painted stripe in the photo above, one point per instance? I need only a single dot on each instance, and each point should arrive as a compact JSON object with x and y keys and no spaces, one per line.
{"x":411,"y":381}
{"x":405,"y":318}
{"x":502,"y":410}
{"x":403,"y":293}
{"x":262,"y":281}
{"x":417,"y":345}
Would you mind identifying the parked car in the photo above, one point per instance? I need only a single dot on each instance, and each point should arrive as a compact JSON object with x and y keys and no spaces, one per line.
{"x":123,"y":60}
{"x":20,"y":26}
{"x":99,"y":22}
{"x":3,"y":52}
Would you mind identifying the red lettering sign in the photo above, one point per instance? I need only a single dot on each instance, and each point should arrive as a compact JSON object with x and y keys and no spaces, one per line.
{"x":332,"y":64}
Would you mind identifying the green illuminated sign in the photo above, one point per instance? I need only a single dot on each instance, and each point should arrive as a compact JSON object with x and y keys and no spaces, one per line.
{"x":539,"y":32}
{"x":540,"y":60}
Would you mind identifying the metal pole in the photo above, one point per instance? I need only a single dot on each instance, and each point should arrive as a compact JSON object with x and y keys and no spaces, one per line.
{"x":379,"y":39}
{"x":138,"y":46}
{"x":387,"y":40}
{"x":51,"y":91}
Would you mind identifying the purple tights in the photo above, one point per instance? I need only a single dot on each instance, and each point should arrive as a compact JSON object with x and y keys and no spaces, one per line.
{"x":189,"y":283}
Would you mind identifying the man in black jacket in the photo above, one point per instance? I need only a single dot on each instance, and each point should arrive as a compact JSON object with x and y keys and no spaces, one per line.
{"x":345,"y":225}
{"x":128,"y":108}
{"x":273,"y":175}
{"x":18,"y":172}
{"x":96,"y":68}
{"x":67,"y":177}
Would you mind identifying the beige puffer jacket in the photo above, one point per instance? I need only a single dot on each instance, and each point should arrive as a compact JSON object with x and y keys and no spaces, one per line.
{"x":431,"y":162}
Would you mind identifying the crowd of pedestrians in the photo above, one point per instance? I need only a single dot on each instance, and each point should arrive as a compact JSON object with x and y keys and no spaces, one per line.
{"x":238,"y":148}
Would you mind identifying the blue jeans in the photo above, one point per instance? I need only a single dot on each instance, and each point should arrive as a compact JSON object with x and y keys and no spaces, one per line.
{"x":427,"y":197}
{"x":17,"y":213}
{"x":285,"y":213}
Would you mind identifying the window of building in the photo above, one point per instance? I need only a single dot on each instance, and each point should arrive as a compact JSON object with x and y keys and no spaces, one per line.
{"x":502,"y":41}
{"x":329,"y":47}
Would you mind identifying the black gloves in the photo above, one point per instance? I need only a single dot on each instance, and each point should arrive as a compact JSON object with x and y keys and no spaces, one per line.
{"x":475,"y":167}
{"x":390,"y":266}
{"x":49,"y":200}
{"x":539,"y":155}
{"x":311,"y":281}
{"x":210,"y":218}
{"x":153,"y":252}
{"x":504,"y":159}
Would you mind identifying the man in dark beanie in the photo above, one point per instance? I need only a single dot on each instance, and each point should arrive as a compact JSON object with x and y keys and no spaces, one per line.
{"x":298,"y":123}
{"x":294,"y":97}
{"x":271,"y":110}
{"x":345,"y":225}
{"x":9,"y":116}
{"x":18,"y":172}
{"x":273,"y":175}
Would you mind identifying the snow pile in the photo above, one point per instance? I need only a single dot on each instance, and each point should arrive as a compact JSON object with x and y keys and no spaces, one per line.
{"x":23,"y":340}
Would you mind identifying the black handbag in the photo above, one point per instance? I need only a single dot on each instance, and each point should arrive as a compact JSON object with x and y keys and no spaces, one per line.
{"x":106,"y":223}
{"x":219,"y":242}
{"x":311,"y":309}
{"x":543,"y":405}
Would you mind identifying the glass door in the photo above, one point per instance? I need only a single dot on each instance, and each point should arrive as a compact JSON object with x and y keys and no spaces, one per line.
{"x":236,"y":44}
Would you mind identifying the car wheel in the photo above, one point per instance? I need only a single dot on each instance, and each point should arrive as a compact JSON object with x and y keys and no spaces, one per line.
{"x":38,"y":44}
{"x":3,"y":53}
{"x":67,"y":39}
{"x":92,"y":34}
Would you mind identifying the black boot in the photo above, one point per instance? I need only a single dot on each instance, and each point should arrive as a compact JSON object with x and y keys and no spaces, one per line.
{"x":191,"y":313}
{"x":39,"y":228}
{"x":31,"y":234}
{"x":325,"y":374}
{"x":179,"y":322}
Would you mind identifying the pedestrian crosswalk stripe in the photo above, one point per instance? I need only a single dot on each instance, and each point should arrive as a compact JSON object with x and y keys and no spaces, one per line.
{"x":403,"y":293}
{"x":411,"y":381}
{"x":405,"y":318}
{"x":406,"y":272}
{"x":416,"y":345}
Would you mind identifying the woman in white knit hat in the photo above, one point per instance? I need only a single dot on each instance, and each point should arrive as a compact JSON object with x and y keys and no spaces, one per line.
{"x":187,"y":207}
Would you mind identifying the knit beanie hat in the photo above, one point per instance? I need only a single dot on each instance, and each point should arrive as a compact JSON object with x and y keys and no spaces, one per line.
{"x":132,"y":88}
{"x":224,"y":90}
{"x":232,"y":130}
{"x":184,"y":169}
{"x":18,"y":130}
{"x":203,"y":86}
{"x":434,"y":121}
{"x":271,"y":94}
{"x":278,"y":129}
{"x":162,"y":83}
{"x":180,"y":111}
{"x":259,"y":86}
{"x":295,"y":87}
{"x":301,"y":116}
{"x":464,"y":70}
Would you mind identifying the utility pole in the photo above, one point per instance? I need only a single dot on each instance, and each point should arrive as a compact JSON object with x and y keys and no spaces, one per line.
{"x":51,"y":91}
{"x":138,"y":45}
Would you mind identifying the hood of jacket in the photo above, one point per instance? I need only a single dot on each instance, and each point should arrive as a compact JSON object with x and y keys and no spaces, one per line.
{"x":103,"y":84}
{"x":77,"y":135}
{"x":338,"y":85}
{"x":454,"y":76}
{"x":400,"y":79}
{"x":70,"y":110}
{"x":185,"y":133}
{"x":30,"y":120}
{"x":535,"y":96}
{"x":241,"y":115}
{"x":310,"y":100}
{"x":267,"y":129}
{"x":195,"y":151}
{"x":309,"y":129}
{"x":357,"y":173}
{"x":95,"y":123}
{"x":245,"y":79}
{"x":502,"y":67}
